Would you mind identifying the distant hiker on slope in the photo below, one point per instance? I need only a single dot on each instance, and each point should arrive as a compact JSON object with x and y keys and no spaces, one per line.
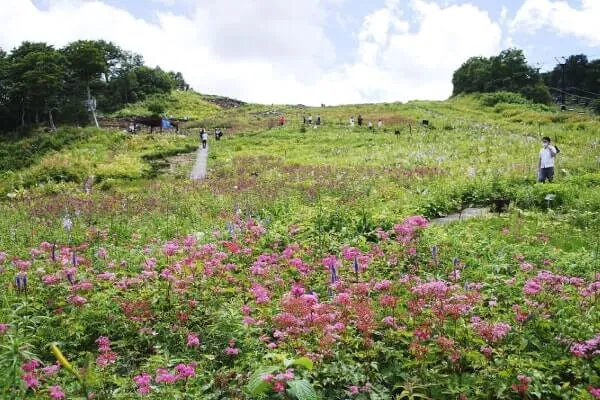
{"x":380,"y":124}
{"x":370,"y":125}
{"x":282,"y":121}
{"x":204,"y":137}
{"x":310,"y":119}
{"x":547,"y":157}
{"x":352,"y":121}
{"x":318,"y":120}
{"x":360,"y":120}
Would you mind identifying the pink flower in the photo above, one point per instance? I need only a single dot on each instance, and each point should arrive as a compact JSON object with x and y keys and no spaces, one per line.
{"x":103,"y":344}
{"x":383,"y":285}
{"x":261,"y":295}
{"x":170,"y":248}
{"x":525,"y":267}
{"x":185,"y":371}
{"x":193,"y":340}
{"x":268,"y":378}
{"x":77,"y":300}
{"x":232,"y":351}
{"x":56,"y":392}
{"x":143,"y":383}
{"x":102,"y":253}
{"x":354,"y":389}
{"x":532,"y":287}
{"x":163,"y":376}
{"x":487,"y":351}
{"x":595,"y":392}
{"x":30,"y":365}
{"x":142,"y":380}
{"x":106,"y":359}
{"x":30,"y":380}
{"x":51,"y":370}
{"x":279,"y":387}
{"x":3,"y":328}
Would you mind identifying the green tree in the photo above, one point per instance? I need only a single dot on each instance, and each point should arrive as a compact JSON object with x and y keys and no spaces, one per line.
{"x":87,"y":62}
{"x":472,"y":76}
{"x":153,"y":81}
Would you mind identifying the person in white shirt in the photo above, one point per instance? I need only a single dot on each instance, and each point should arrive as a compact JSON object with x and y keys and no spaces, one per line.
{"x":380,"y":124}
{"x":547,"y":157}
{"x":204,"y":137}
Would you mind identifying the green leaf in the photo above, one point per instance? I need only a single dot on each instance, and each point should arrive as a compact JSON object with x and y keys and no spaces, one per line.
{"x":302,"y":362}
{"x":302,"y":390}
{"x":256,"y":385}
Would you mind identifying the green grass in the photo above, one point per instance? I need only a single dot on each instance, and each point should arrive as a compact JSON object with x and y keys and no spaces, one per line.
{"x":333,"y":186}
{"x":180,"y":105}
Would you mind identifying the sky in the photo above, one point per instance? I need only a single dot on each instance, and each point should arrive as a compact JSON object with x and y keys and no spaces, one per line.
{"x":314,"y":52}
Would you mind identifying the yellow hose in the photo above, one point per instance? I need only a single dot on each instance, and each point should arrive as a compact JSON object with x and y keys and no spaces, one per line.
{"x":62,"y":360}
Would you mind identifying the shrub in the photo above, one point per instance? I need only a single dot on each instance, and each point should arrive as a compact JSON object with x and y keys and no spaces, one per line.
{"x":491,"y":99}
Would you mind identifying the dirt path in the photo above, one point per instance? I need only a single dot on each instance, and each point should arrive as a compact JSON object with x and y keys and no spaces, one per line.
{"x":199,"y":170}
{"x":466,"y":214}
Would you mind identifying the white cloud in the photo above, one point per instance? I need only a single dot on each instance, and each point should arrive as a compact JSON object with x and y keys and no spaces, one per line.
{"x":273,"y":51}
{"x":581,"y":22}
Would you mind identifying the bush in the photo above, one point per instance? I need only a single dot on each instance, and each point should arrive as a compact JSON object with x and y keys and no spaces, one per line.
{"x":538,"y":94}
{"x":491,"y":99}
{"x":157,"y":107}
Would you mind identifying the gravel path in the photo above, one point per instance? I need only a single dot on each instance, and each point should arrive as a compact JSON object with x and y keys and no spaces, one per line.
{"x":199,"y":170}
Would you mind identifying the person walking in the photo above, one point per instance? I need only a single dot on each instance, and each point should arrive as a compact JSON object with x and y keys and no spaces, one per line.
{"x":318,"y":120}
{"x":310,"y":119}
{"x":352,"y":121}
{"x":547,"y":158}
{"x":370,"y":125}
{"x":380,"y":124}
{"x":204,"y":137}
{"x":360,"y":120}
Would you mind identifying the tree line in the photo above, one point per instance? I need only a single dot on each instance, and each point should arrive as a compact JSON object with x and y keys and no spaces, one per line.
{"x":509,"y":71}
{"x":40,"y":84}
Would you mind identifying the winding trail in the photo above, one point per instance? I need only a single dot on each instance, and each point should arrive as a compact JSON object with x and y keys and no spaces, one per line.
{"x":199,"y":170}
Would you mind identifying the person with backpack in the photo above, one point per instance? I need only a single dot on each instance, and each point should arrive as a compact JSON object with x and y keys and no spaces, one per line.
{"x":204,"y":137}
{"x":318,"y":120}
{"x":360,"y":120}
{"x":547,"y":158}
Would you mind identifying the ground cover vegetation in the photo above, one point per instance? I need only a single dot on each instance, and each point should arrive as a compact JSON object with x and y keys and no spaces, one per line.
{"x":305,"y":266}
{"x":309,"y":264}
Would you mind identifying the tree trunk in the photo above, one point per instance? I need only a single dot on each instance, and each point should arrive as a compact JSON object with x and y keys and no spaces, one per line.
{"x":22,"y":112}
{"x":92,"y":109}
{"x":51,"y":120}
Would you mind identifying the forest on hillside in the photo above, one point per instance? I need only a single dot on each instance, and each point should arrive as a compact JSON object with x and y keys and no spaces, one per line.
{"x":40,"y":84}
{"x":573,"y":82}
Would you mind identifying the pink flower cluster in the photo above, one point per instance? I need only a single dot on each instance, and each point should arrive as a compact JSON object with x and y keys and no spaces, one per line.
{"x":260,"y":293}
{"x":588,"y":348}
{"x":193,"y":340}
{"x":354,"y":389}
{"x":142,"y":382}
{"x":522,"y":386}
{"x":29,"y":374}
{"x":231,"y":350}
{"x":279,"y":380}
{"x":107,"y":356}
{"x":490,"y":332}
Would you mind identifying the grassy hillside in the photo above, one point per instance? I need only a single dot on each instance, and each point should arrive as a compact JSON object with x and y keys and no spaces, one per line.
{"x":303,"y":263}
{"x":180,"y":105}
